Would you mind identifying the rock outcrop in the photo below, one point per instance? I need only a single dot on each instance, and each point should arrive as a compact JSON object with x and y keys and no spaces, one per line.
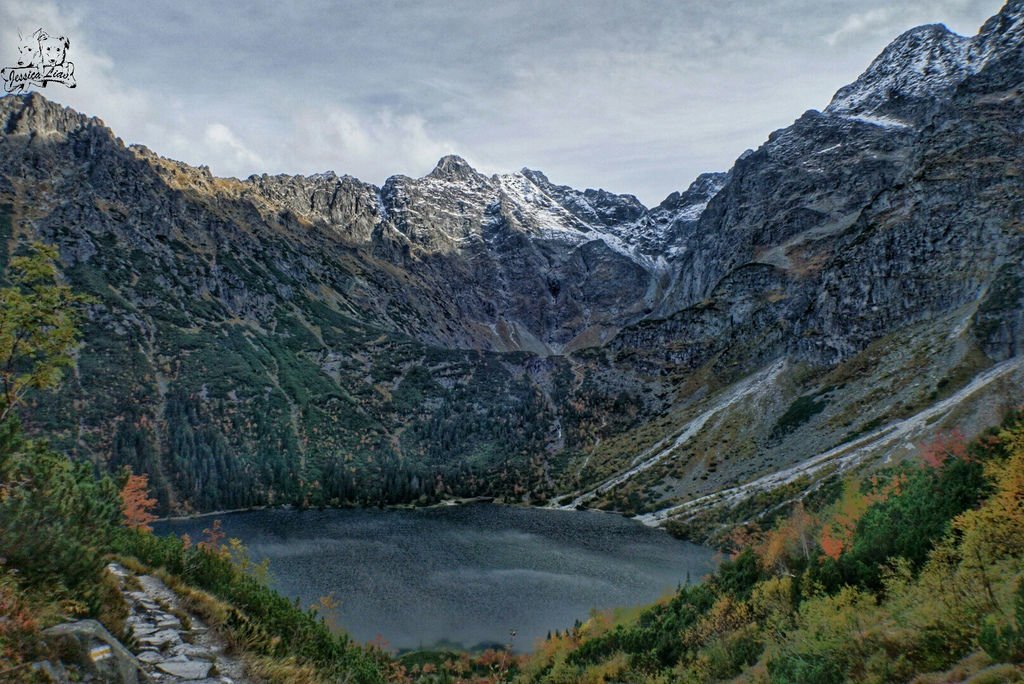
{"x":91,"y":652}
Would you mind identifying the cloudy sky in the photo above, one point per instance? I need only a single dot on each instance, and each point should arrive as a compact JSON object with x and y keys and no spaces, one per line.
{"x":633,"y":96}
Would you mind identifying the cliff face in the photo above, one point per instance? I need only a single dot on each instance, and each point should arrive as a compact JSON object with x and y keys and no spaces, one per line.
{"x":321,"y":339}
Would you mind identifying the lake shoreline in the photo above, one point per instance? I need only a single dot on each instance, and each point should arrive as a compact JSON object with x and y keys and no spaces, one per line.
{"x":446,"y":503}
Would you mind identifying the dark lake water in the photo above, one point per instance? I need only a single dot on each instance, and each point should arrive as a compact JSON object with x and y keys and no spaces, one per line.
{"x":466,"y":575}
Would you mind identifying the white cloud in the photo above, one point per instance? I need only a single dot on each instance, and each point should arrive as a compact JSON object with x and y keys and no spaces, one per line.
{"x":370,"y":146}
{"x":857,"y":24}
{"x":234,"y":158}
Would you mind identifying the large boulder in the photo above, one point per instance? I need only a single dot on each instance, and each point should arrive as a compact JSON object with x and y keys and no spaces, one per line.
{"x":88,"y":647}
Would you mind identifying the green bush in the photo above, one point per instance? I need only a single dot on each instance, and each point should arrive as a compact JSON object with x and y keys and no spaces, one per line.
{"x":58,"y":518}
{"x":799,"y":412}
{"x":908,"y":522}
{"x":801,"y":668}
{"x":738,"y":577}
{"x":1006,"y":643}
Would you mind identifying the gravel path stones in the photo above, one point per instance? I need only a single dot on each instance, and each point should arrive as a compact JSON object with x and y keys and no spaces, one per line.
{"x":170,"y":648}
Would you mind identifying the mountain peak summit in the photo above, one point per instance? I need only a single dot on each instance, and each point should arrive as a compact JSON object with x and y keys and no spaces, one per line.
{"x":920,"y":63}
{"x":454,"y":167}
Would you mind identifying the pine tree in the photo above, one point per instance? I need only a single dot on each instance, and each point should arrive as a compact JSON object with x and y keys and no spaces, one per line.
{"x":38,"y":327}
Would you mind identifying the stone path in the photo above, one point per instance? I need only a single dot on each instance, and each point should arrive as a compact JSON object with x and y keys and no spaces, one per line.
{"x":169,"y":650}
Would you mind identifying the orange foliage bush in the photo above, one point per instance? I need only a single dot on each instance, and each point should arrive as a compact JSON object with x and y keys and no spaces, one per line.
{"x":944,"y":446}
{"x":214,"y":537}
{"x":19,"y":631}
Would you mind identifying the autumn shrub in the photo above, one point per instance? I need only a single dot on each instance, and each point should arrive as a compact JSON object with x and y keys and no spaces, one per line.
{"x":728,"y":654}
{"x":136,"y":504}
{"x":20,"y":638}
{"x":833,"y":635}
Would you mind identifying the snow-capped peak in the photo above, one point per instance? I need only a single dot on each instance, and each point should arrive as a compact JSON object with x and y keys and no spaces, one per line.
{"x":923,"y":62}
{"x":927,"y":63}
{"x":1004,"y":31}
{"x":537,"y":206}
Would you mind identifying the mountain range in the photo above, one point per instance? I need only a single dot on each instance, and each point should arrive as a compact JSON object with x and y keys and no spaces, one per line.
{"x":845,"y":291}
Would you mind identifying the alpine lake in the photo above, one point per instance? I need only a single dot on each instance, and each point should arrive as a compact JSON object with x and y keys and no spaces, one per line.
{"x":461,"y":577}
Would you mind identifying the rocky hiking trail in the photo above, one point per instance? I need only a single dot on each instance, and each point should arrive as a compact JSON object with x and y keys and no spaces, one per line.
{"x":172,"y":644}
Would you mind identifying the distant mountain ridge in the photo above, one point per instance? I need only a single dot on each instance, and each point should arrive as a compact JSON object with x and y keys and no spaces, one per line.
{"x":320,"y":340}
{"x":455,"y":210}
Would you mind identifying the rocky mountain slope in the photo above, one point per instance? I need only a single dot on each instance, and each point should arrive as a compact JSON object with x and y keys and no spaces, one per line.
{"x":847,"y":288}
{"x":853,"y":275}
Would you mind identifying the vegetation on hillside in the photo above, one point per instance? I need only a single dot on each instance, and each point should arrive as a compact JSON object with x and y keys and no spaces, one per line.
{"x":61,"y":522}
{"x":913,"y":574}
{"x":916,"y":570}
{"x":310,"y":406}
